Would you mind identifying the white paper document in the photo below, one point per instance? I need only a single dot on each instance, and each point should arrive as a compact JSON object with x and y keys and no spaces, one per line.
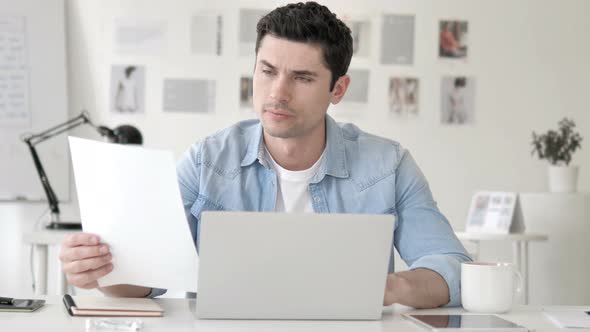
{"x":129,"y":196}
{"x":569,"y":318}
{"x":139,"y":36}
{"x":14,"y":73}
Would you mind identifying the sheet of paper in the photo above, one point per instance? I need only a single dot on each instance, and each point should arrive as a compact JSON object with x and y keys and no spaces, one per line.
{"x":569,"y":318}
{"x":189,"y":95}
{"x":129,"y":196}
{"x":14,"y":73}
{"x":247,"y":37}
{"x":139,"y":36}
{"x":206,"y":33}
{"x":397,"y":39}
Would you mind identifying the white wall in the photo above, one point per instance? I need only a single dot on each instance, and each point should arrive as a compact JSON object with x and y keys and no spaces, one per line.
{"x":529,"y":58}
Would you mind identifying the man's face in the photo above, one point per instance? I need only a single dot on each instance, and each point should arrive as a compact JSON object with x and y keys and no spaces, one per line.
{"x":291,"y":87}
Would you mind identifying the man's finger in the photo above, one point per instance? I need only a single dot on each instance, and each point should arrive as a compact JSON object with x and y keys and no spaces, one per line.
{"x":82,"y":252}
{"x":84,"y":278}
{"x":88,"y":264}
{"x":81,"y":239}
{"x":90,"y":285}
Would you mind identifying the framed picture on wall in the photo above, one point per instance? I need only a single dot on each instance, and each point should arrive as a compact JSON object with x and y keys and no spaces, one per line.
{"x":360,"y":29}
{"x":206,"y":33}
{"x":397,"y":39}
{"x":246,"y":94}
{"x":403,"y":96}
{"x":248,"y":18}
{"x":127,"y":93}
{"x":457,"y":100}
{"x":452,"y":39}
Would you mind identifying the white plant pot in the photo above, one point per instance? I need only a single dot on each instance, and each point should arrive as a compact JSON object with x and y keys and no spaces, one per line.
{"x":563,"y":179}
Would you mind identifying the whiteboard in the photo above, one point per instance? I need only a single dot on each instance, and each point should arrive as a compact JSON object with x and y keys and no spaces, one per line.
{"x":33,"y":96}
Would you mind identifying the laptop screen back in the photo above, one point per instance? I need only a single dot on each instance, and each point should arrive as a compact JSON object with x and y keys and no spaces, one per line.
{"x":293,"y":266}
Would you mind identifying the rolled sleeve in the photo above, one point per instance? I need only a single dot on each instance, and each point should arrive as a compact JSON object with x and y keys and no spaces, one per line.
{"x":424,"y":237}
{"x":188,"y":173}
{"x":449,"y":267}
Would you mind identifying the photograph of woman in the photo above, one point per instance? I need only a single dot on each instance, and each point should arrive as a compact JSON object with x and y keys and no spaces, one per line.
{"x":453,"y":39}
{"x":403,"y":95}
{"x":458,"y":100}
{"x":127,"y":84}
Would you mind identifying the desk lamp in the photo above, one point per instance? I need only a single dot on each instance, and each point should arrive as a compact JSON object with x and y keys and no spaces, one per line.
{"x":123,"y":134}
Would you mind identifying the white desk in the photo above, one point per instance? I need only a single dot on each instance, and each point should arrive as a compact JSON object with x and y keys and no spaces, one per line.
{"x":520,"y":250}
{"x":180,"y":316}
{"x":41,"y":240}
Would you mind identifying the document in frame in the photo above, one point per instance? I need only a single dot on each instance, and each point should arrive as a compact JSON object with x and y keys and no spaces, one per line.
{"x":129,"y":196}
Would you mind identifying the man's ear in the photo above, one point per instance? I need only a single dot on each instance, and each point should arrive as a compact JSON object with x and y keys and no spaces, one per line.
{"x":340,"y":89}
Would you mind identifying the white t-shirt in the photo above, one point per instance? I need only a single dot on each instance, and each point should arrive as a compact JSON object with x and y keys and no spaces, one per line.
{"x":292,"y":186}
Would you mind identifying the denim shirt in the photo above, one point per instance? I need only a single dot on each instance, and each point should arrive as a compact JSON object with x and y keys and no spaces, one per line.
{"x":361,"y":173}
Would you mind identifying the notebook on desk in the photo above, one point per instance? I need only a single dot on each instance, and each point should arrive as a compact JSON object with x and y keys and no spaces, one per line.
{"x":108,"y":306}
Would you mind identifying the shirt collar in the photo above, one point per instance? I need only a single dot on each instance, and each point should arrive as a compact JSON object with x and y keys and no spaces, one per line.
{"x":335,"y":158}
{"x":255,"y":146}
{"x":335,"y":161}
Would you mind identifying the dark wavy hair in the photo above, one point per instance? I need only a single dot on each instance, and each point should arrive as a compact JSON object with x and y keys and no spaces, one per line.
{"x":311,"y":22}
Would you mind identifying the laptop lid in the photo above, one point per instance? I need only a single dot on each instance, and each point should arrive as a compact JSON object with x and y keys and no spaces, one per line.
{"x":256,"y":265}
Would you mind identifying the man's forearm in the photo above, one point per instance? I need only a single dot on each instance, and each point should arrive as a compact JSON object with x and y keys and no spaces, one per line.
{"x":419,"y":288}
{"x":125,"y":291}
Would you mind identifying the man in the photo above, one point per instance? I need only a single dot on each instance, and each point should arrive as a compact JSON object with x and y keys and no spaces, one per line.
{"x":297,"y":159}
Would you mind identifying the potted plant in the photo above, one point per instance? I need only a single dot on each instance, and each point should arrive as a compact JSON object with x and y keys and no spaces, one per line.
{"x":557,"y":147}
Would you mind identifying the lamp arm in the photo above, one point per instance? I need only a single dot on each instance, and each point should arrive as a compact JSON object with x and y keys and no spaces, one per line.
{"x":33,"y":139}
{"x":51,"y":197}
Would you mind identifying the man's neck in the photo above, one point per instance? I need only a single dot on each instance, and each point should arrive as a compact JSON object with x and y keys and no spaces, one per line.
{"x":299,"y":153}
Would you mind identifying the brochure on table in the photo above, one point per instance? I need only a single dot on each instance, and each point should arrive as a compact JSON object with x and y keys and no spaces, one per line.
{"x":495,"y":212}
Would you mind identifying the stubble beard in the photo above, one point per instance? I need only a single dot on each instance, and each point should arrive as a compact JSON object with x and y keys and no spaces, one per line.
{"x":293,"y":130}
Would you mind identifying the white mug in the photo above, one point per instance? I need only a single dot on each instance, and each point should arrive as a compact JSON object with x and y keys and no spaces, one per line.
{"x":489,"y":287}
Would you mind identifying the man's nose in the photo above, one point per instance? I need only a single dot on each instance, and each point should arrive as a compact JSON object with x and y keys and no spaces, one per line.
{"x":281,"y":90}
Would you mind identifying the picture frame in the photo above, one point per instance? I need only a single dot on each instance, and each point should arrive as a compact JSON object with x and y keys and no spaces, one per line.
{"x":495,"y":212}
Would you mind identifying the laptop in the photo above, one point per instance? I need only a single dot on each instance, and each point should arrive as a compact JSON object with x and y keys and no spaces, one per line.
{"x":259,"y":265}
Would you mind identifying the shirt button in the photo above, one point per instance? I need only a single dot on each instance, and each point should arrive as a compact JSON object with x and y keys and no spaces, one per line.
{"x":316,"y":199}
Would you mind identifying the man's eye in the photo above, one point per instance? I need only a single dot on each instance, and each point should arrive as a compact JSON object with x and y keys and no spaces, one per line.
{"x":266,"y":71}
{"x":303,"y":79}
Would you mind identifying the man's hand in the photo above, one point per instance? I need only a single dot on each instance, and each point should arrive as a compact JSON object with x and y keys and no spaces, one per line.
{"x":85,"y":260}
{"x":419,"y":288}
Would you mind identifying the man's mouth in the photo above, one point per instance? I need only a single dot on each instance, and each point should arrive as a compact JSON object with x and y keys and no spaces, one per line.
{"x":278,"y":112}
